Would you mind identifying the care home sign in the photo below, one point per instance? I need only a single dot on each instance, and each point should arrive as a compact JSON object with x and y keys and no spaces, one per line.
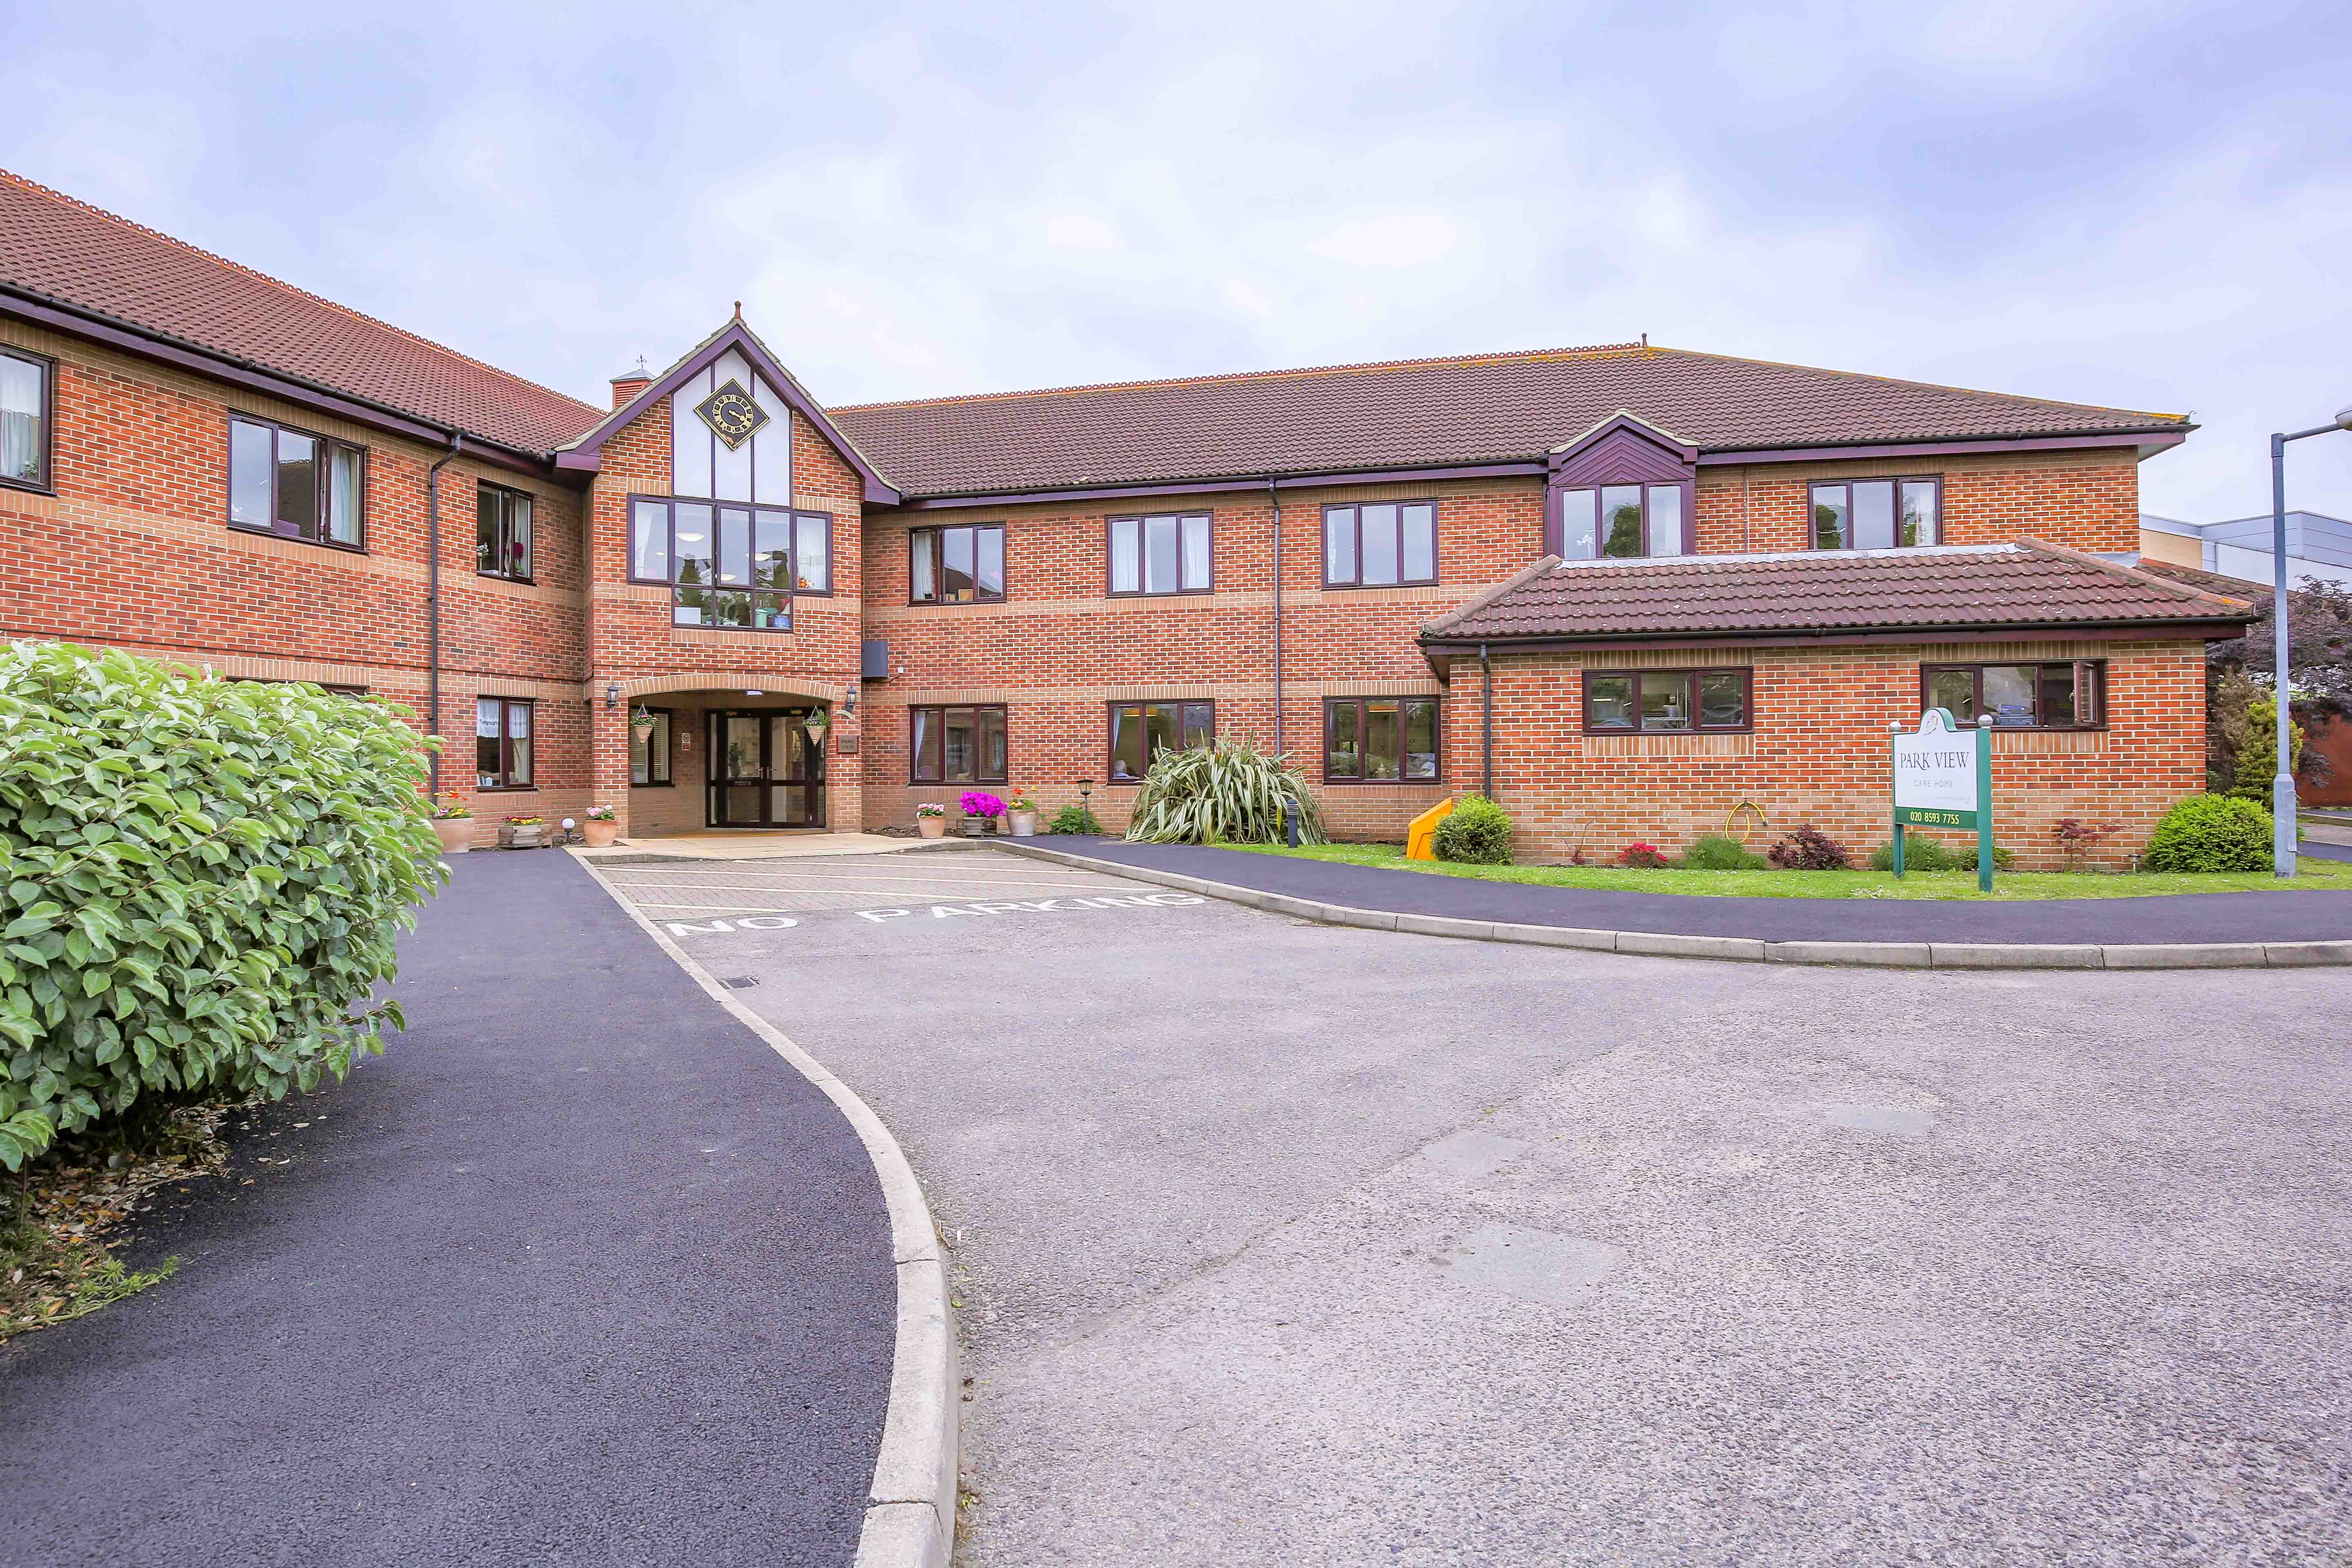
{"x":1943,"y":778}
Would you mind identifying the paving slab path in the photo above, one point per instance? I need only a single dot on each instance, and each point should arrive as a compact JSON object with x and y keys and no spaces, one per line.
{"x":579,"y":1271}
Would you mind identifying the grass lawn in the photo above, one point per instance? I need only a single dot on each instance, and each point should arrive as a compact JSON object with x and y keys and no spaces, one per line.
{"x":2312,"y":873}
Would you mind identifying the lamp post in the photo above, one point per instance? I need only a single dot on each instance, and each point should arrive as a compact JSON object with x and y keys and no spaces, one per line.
{"x":2283,"y":823}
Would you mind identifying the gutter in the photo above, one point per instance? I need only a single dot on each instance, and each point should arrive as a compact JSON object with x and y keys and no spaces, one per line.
{"x":433,"y":603}
{"x":2209,"y":628}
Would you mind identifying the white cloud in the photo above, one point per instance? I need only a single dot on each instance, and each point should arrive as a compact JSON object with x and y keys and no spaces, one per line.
{"x":1074,"y":233}
{"x":1399,"y":240}
{"x":1248,"y":299}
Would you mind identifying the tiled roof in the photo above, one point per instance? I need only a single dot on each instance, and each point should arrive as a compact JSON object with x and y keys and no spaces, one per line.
{"x":2031,"y":583}
{"x":1420,"y":412}
{"x":72,"y":254}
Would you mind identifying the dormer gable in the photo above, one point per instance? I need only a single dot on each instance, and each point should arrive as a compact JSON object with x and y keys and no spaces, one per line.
{"x":1623,"y":488}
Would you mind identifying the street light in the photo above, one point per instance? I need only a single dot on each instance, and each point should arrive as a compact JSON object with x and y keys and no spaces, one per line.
{"x":2283,"y":823}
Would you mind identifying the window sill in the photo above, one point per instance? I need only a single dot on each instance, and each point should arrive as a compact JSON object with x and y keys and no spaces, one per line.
{"x":506,"y":789}
{"x":1692,"y":734}
{"x":246,"y":528}
{"x":1394,"y":784}
{"x":1168,"y":594}
{"x":1376,"y":587}
{"x":505,"y":577}
{"x":24,"y":487}
{"x":933,"y":603}
{"x":664,"y":783}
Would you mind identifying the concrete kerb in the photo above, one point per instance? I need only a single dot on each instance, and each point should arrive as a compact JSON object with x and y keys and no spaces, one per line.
{"x":1736,"y":949}
{"x":911,"y":1509}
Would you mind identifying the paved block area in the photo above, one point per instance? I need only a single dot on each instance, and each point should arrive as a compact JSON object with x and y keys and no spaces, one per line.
{"x":1283,"y":1243}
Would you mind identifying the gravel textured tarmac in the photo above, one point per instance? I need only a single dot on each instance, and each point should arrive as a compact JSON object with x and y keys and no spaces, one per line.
{"x":579,"y":1271}
{"x":1281,"y":1242}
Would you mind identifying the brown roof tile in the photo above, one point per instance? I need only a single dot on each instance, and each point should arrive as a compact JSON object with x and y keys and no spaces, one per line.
{"x":72,"y":254}
{"x":2028,"y":584}
{"x":1419,"y":413}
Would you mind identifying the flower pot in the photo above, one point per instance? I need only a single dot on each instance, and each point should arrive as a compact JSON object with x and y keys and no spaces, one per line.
{"x":1025,"y":823}
{"x":600,"y":835}
{"x":520,"y":835}
{"x":932,"y":827}
{"x":455,"y":833}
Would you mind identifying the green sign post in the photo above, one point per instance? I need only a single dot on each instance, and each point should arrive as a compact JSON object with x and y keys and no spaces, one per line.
{"x":1943,"y":778}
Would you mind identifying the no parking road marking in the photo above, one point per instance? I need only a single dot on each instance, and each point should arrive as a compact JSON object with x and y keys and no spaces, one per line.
{"x":950,"y":911}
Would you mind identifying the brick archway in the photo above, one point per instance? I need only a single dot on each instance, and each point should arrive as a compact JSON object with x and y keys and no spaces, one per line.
{"x":656,"y":813}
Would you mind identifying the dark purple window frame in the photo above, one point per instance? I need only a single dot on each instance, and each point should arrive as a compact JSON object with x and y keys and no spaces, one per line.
{"x":2098,"y":671}
{"x":507,"y":494}
{"x":929,"y":537}
{"x":669,"y":505}
{"x":326,"y":484}
{"x":1436,"y":729}
{"x":669,"y":751}
{"x":939,"y":712}
{"x":1747,"y":674}
{"x":1556,"y":519}
{"x":1358,"y":508}
{"x":1110,"y":729}
{"x":47,"y":485}
{"x":507,"y":705}
{"x":1812,"y":535}
{"x":1140,"y":518}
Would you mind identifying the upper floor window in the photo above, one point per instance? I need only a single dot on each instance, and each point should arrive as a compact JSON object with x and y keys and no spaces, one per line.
{"x":1379,"y":740}
{"x":730,"y":566}
{"x":25,"y":419}
{"x":502,"y":536}
{"x":1877,"y":515}
{"x":1623,"y":521}
{"x":286,"y":482}
{"x":1380,"y":544}
{"x":1666,"y":701}
{"x":960,"y":566}
{"x":1159,"y":554}
{"x":2019,"y":695}
{"x":1142,"y":730}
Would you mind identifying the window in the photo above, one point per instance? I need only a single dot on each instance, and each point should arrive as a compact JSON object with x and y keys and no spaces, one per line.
{"x":303,"y":487}
{"x":2020,"y":696}
{"x":502,"y":536}
{"x":1877,"y":515}
{"x":502,"y":742}
{"x":1623,"y":521}
{"x":1379,"y":740}
{"x":650,"y":750}
{"x":1159,"y":554}
{"x":730,"y":566}
{"x":1666,"y":701}
{"x":956,"y":745}
{"x":956,"y":565}
{"x":1141,"y":731}
{"x":25,"y":420}
{"x":1380,"y":544}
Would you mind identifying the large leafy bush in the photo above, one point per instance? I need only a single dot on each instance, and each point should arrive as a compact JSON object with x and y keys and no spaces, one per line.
{"x":1808,"y":848}
{"x":1476,"y":832}
{"x":1227,"y":789}
{"x":1719,"y":852}
{"x":200,"y":883}
{"x":2212,"y":833}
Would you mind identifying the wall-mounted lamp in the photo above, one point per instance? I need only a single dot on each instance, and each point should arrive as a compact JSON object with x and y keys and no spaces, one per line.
{"x":849,"y":701}
{"x":611,"y":696}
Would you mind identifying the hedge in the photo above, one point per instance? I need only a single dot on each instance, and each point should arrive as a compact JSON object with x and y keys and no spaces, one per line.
{"x":1476,"y":832}
{"x":2212,"y":833}
{"x":200,"y":884}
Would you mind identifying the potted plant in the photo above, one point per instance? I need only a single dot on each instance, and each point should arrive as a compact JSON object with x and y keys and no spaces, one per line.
{"x":522,"y":831}
{"x":1021,"y":812}
{"x":982,"y":807}
{"x":453,"y":824}
{"x":601,"y":826}
{"x":932,"y":818}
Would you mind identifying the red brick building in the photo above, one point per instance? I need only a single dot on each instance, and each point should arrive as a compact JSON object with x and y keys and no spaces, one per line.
{"x":1628,"y":588}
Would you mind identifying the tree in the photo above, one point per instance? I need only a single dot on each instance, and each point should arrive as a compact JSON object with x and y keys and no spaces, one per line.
{"x":2319,"y":646}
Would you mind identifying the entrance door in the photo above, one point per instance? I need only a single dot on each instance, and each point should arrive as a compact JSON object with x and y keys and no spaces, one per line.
{"x":765,"y":771}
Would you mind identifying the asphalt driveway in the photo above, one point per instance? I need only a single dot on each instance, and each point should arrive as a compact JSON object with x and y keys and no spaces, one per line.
{"x":1283,"y":1243}
{"x":579,"y":1271}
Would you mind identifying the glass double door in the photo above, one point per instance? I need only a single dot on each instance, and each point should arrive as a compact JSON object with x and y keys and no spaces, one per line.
{"x":765,"y":771}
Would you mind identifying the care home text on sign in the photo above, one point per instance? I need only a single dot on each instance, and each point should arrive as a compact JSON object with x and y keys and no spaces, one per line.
{"x":1936,"y":775}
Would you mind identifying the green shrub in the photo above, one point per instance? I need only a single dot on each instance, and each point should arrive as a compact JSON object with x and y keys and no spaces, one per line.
{"x":2212,"y":833}
{"x":1921,"y":853}
{"x":1227,"y":790}
{"x":1716,"y":852}
{"x":1074,"y":819}
{"x":200,"y":882}
{"x":1477,"y":833}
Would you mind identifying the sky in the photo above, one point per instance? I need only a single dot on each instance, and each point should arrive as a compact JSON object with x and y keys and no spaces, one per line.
{"x":2146,"y":205}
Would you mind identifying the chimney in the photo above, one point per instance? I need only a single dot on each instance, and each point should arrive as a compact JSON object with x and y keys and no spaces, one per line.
{"x":630,"y":383}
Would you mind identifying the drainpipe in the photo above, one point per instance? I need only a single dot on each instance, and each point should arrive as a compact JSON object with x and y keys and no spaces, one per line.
{"x":1274,"y":499}
{"x":1486,"y":722}
{"x":432,"y":600}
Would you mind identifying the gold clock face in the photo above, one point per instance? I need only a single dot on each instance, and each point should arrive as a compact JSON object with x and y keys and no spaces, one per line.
{"x":732,"y":414}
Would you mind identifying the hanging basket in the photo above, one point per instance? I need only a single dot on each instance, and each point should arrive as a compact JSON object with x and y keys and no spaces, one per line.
{"x":816,"y":724}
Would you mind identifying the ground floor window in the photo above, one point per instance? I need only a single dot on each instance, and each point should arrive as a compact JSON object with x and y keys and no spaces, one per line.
{"x":502,"y":738}
{"x":1379,"y":740}
{"x":957,"y":745}
{"x":1666,"y":701}
{"x":1140,"y":731}
{"x":2071,"y":696}
{"x":649,"y":748}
